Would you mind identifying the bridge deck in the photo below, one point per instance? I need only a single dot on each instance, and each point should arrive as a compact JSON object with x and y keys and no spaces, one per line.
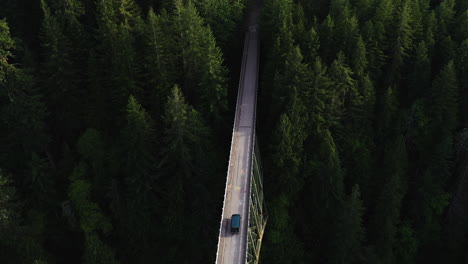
{"x":232,"y":247}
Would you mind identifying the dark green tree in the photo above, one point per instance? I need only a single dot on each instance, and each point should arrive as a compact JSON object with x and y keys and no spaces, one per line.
{"x":390,"y":192}
{"x":204,"y":75}
{"x":185,"y":167}
{"x":140,"y":175}
{"x":92,"y":220}
{"x":160,"y":64}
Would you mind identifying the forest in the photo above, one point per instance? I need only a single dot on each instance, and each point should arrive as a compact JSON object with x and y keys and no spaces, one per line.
{"x":116,"y":119}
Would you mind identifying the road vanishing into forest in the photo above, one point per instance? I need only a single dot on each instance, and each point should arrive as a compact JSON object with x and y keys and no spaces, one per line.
{"x":232,"y":247}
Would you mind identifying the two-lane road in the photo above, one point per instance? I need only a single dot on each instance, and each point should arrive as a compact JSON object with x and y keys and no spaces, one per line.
{"x":232,"y":247}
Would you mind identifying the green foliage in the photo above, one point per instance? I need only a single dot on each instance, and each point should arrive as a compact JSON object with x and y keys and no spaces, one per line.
{"x":6,"y":44}
{"x":204,"y":75}
{"x":378,"y":116}
{"x":91,"y":217}
{"x":360,"y":101}
{"x":407,"y":245}
{"x":222,"y":16}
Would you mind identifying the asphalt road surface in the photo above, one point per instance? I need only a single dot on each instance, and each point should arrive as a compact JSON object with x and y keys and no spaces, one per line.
{"x":232,"y":246}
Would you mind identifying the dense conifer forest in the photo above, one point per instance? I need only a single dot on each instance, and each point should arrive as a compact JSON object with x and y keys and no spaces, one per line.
{"x":116,"y":118}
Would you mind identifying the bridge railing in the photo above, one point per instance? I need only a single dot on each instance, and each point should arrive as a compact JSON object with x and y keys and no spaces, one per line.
{"x":254,"y":165}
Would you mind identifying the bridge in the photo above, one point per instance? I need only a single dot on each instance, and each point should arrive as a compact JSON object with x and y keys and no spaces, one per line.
{"x":244,"y":192}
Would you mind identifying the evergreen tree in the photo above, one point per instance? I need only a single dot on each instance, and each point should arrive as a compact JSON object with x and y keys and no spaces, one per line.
{"x":204,"y":78}
{"x":20,"y":240}
{"x":312,"y":46}
{"x":324,"y":192}
{"x":113,"y":76}
{"x":386,"y":216}
{"x":419,"y":78}
{"x":222,"y":16}
{"x":160,"y":64}
{"x":138,"y":167}
{"x":403,"y":38}
{"x":446,"y":17}
{"x":183,"y":167}
{"x":61,"y":78}
{"x":431,"y":198}
{"x":462,"y":67}
{"x":92,"y":219}
{"x":6,"y":44}
{"x":351,"y":235}
{"x":343,"y":92}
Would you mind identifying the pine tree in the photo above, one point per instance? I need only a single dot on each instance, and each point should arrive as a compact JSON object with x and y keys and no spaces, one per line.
{"x":288,"y":139}
{"x":184,"y":165}
{"x":22,"y":115}
{"x":204,"y":75}
{"x":402,"y":42}
{"x":139,"y":171}
{"x":430,"y":31}
{"x":419,"y":78}
{"x":6,"y":44}
{"x":373,"y":35}
{"x":445,"y":50}
{"x":363,"y":9}
{"x":222,"y":16}
{"x":461,"y":32}
{"x":312,"y":46}
{"x":317,"y":97}
{"x":284,"y":245}
{"x":276,"y":17}
{"x":323,"y":190}
{"x":160,"y":66}
{"x":431,"y":197}
{"x":91,"y":217}
{"x":61,"y":77}
{"x":358,"y":57}
{"x":387,"y":207}
{"x":114,"y":72}
{"x":351,"y":233}
{"x":446,"y":17}
{"x":327,"y":37}
{"x":9,"y":226}
{"x":343,"y":94}
{"x":462,"y":73}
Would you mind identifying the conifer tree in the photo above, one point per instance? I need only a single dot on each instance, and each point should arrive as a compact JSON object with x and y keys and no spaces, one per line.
{"x":61,"y":77}
{"x":446,"y":17}
{"x":324,"y":191}
{"x":350,"y":235}
{"x":317,"y":98}
{"x":462,"y":73}
{"x":401,"y":42}
{"x":160,"y":64}
{"x":204,"y":75}
{"x":183,"y":166}
{"x":92,"y":219}
{"x":139,"y":171}
{"x":312,"y":46}
{"x":114,"y":72}
{"x":431,"y":197}
{"x":327,"y":37}
{"x":6,"y":44}
{"x":390,"y":192}
{"x":222,"y":16}
{"x":343,"y":92}
{"x":419,"y":78}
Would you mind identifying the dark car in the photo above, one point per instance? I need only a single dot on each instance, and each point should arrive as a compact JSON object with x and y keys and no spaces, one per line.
{"x":235,"y":223}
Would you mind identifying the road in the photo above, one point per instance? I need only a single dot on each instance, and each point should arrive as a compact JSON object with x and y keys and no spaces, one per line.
{"x":232,"y":247}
